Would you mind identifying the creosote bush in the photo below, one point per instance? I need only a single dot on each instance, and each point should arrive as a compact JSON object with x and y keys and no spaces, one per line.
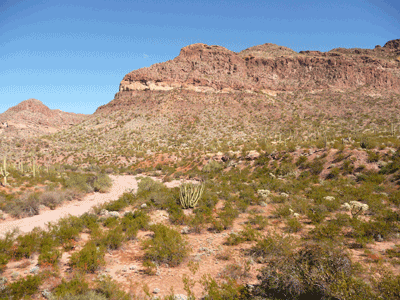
{"x":167,"y":246}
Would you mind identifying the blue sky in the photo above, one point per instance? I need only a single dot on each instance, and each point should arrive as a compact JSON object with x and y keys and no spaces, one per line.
{"x":72,"y":55}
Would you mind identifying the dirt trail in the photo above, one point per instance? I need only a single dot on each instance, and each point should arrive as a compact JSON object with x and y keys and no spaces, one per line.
{"x":75,"y":208}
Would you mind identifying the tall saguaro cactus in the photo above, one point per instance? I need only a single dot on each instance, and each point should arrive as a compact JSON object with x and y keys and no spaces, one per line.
{"x":3,"y":171}
{"x":190,"y":194}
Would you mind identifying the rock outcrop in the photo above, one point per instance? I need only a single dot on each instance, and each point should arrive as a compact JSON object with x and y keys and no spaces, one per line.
{"x":268,"y":69}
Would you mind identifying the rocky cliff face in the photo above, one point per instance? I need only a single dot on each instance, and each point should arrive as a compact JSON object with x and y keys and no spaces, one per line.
{"x":269,"y":69}
{"x":31,"y":118}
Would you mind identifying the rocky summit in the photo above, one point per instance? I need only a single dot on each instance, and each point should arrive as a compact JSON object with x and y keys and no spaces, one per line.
{"x":32,"y":118}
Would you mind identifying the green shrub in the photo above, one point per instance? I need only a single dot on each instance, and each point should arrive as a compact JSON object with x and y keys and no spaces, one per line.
{"x":167,"y":246}
{"x":273,"y":245}
{"x":248,"y":234}
{"x":51,"y":199}
{"x":27,"y":244}
{"x":293,"y":225}
{"x":76,"y":286}
{"x":22,"y":289}
{"x":212,"y":167}
{"x":25,"y":206}
{"x":389,"y":286}
{"x":102,"y":183}
{"x":113,"y":239}
{"x":132,"y":222}
{"x":258,"y":220}
{"x":79,"y":182}
{"x":317,"y":213}
{"x":229,"y":290}
{"x":6,"y":245}
{"x":89,"y":259}
{"x":91,"y":295}
{"x":309,"y":272}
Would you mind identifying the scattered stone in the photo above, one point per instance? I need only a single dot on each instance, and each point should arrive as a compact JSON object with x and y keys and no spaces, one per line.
{"x":329,"y":198}
{"x":263,"y":204}
{"x":285,"y":195}
{"x":379,"y":238}
{"x":15,"y":275}
{"x":180,"y":297}
{"x":103,"y":212}
{"x":144,"y":205}
{"x":264,"y":193}
{"x":47,"y":294}
{"x":34,"y":270}
{"x":124,"y":269}
{"x":41,"y":207}
{"x":185,"y":230}
{"x":114,"y":214}
{"x":156,"y":291}
{"x":132,"y":267}
{"x":252,"y":155}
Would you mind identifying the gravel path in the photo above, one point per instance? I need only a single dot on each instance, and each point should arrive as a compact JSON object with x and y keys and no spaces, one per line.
{"x":74,"y":208}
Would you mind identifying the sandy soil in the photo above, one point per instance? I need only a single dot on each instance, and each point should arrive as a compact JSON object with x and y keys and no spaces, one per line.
{"x":76,"y":208}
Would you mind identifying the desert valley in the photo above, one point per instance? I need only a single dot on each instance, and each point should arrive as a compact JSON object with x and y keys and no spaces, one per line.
{"x":261,"y":174}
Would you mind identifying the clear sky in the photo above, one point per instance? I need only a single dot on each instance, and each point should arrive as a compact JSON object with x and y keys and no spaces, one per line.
{"x":72,"y":54}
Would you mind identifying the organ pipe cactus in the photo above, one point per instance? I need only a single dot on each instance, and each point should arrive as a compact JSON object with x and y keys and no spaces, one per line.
{"x":190,"y":194}
{"x":3,"y":171}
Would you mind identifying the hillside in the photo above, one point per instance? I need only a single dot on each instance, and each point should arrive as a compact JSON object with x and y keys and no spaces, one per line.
{"x":259,"y":175}
{"x":32,"y":118}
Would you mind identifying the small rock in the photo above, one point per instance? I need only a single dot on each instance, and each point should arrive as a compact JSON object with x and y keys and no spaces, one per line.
{"x":144,"y":205}
{"x":329,"y":198}
{"x":156,"y":291}
{"x":47,"y":294}
{"x":285,"y":195}
{"x":114,"y":214}
{"x":379,"y":238}
{"x":132,"y":267}
{"x":180,"y":297}
{"x":124,"y":269}
{"x":15,"y":275}
{"x":103,"y":212}
{"x":263,"y":204}
{"x":34,"y":270}
{"x":185,"y":230}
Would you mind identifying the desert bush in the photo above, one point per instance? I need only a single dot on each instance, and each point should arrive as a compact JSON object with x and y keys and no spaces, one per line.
{"x":49,"y":256}
{"x":79,"y":182}
{"x":21,"y":289}
{"x":25,"y":206}
{"x":112,"y":239}
{"x":90,"y":295}
{"x":89,"y":259}
{"x":316,"y":166}
{"x":329,"y":230}
{"x":67,"y":230}
{"x":76,"y":286}
{"x":389,"y":286}
{"x":110,"y":289}
{"x":229,"y":290}
{"x":293,"y":225}
{"x":212,"y":167}
{"x":6,"y":247}
{"x":51,"y":199}
{"x":273,"y":245}
{"x":27,"y":244}
{"x":248,"y":234}
{"x":102,"y":183}
{"x":167,"y":246}
{"x":310,"y":272}
{"x":258,"y":220}
{"x":317,"y":213}
{"x":132,"y":222}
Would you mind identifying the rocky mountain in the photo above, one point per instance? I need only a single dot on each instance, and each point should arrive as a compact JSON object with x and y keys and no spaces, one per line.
{"x":268,"y":69}
{"x":32,"y":118}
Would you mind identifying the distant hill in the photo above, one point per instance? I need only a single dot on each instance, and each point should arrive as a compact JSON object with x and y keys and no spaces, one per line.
{"x":32,"y":118}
